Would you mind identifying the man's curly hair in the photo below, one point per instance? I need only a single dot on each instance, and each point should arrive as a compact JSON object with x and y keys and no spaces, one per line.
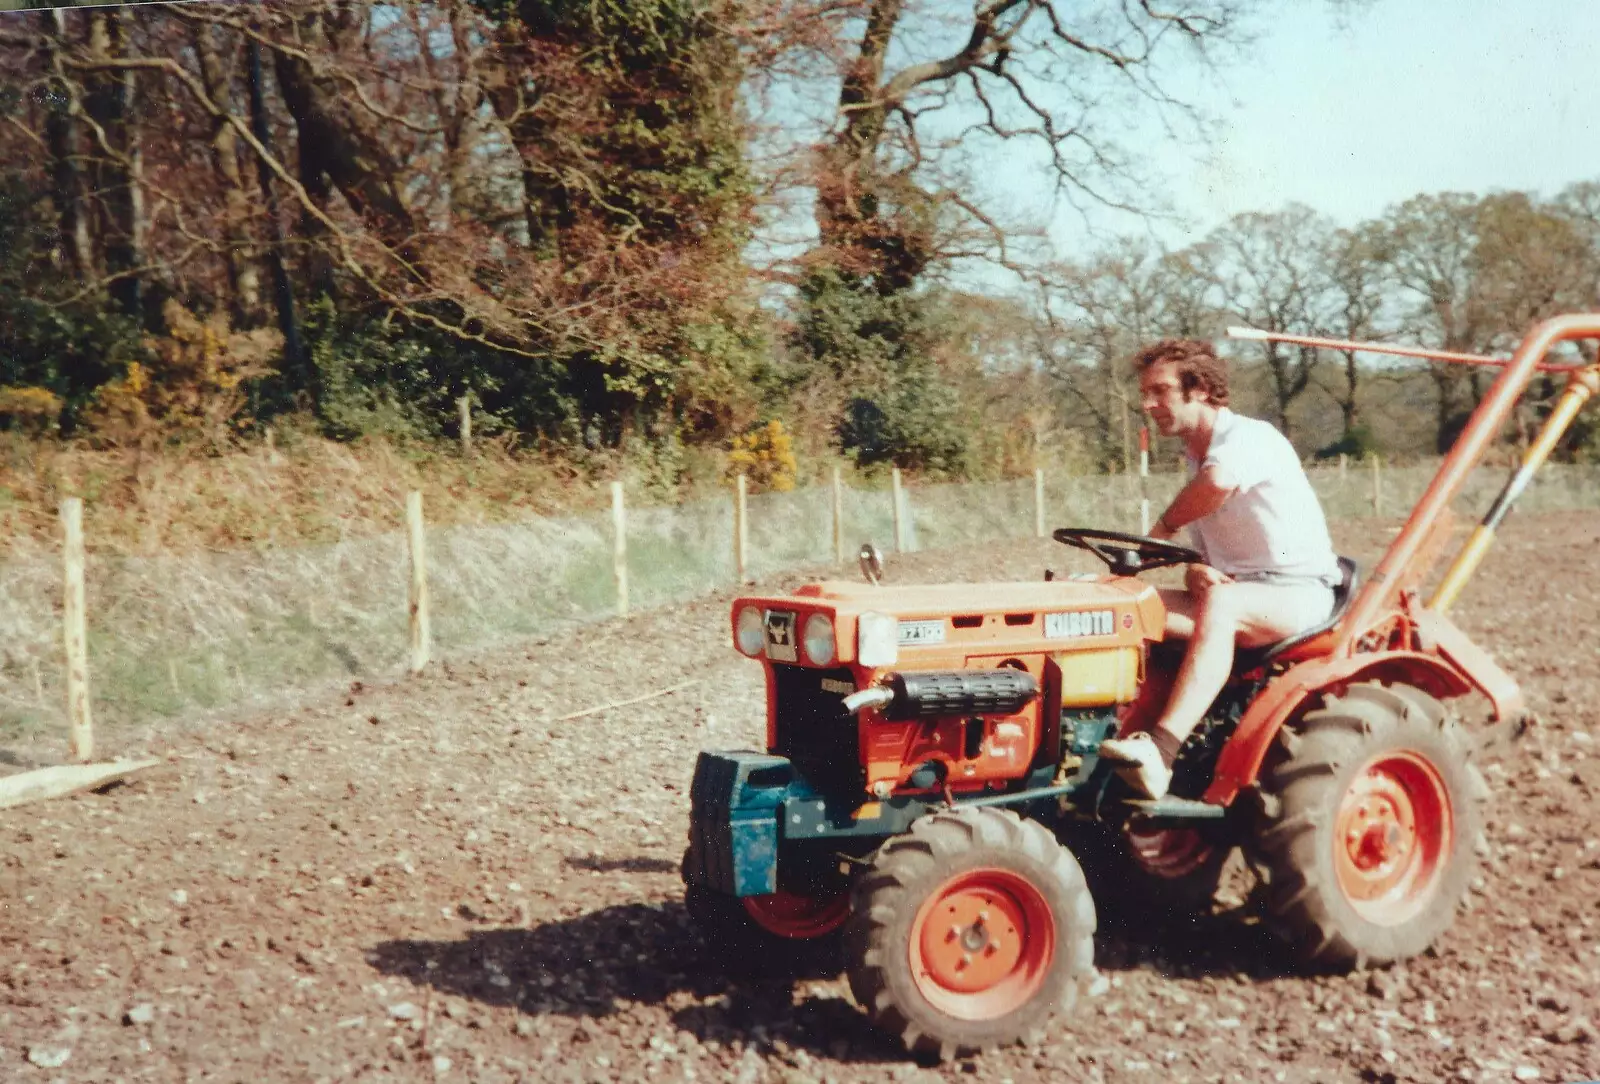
{"x":1198,"y":366}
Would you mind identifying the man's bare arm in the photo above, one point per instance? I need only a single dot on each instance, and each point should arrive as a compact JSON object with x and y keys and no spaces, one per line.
{"x":1196,"y":500}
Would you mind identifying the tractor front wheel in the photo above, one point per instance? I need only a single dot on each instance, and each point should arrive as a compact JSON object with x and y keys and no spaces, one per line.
{"x":968,"y":931}
{"x":1374,"y":824}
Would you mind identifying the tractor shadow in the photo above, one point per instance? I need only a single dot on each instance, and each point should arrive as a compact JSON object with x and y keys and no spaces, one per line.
{"x":1224,"y":944}
{"x":606,"y":961}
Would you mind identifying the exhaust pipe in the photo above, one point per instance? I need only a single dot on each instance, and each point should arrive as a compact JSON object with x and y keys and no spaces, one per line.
{"x":876,"y":697}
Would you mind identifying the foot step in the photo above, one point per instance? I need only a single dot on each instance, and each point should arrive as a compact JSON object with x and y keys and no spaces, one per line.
{"x":1177,"y":809}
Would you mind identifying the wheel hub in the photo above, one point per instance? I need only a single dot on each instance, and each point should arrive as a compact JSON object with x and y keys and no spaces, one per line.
{"x":981,"y":944}
{"x":1393,"y":832}
{"x":974,"y":941}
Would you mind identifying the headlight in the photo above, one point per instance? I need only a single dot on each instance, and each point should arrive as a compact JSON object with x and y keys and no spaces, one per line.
{"x":819,"y":639}
{"x":752,"y":634}
{"x":877,"y":639}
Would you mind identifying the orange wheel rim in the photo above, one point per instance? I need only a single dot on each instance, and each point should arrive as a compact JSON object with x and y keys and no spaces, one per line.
{"x":982,"y":944}
{"x":1392,"y":836}
{"x":798,"y":917}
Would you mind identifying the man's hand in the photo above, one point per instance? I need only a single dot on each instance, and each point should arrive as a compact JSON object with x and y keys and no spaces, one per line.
{"x":1199,"y":579}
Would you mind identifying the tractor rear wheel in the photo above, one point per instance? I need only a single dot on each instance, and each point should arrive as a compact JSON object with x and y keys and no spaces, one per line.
{"x":968,"y":931}
{"x":1144,"y":872}
{"x":1373,"y":826}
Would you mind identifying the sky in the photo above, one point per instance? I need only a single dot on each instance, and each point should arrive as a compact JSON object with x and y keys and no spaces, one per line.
{"x":1351,"y":113}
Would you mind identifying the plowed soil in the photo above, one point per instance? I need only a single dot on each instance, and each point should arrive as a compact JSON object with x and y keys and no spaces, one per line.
{"x":444,"y":879}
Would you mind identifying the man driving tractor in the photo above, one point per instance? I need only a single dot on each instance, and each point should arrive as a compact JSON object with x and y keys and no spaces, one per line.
{"x":1251,"y":512}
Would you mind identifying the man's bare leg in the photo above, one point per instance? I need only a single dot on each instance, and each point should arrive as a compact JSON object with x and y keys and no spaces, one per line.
{"x":1227,"y":615}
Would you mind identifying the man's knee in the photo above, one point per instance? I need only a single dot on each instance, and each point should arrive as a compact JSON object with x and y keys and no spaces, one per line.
{"x":1218,"y":610}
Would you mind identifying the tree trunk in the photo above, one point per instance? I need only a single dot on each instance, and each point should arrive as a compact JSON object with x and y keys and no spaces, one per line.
{"x":545,"y":207}
{"x":341,"y":148}
{"x":61,"y":139}
{"x":1282,"y":392}
{"x":1445,"y":382}
{"x":1347,"y":401}
{"x":850,"y":211}
{"x":116,"y":165}
{"x":240,"y":255}
{"x":297,"y":367}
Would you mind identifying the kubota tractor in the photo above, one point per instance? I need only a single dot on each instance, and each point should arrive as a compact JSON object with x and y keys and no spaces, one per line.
{"x":931,"y":764}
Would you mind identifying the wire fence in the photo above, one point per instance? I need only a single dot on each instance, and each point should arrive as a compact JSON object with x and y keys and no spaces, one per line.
{"x":178,"y":637}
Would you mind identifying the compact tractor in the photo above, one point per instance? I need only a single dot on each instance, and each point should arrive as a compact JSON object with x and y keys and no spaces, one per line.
{"x":931,"y":781}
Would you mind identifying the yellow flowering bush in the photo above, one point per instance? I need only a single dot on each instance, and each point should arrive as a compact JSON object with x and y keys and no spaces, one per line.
{"x":191,"y":382}
{"x":765,"y":455}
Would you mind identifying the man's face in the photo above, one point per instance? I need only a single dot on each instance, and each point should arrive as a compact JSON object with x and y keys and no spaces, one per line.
{"x":1161,"y":394}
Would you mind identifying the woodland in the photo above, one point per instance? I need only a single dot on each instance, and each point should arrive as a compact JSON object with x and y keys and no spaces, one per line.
{"x":679,"y":236}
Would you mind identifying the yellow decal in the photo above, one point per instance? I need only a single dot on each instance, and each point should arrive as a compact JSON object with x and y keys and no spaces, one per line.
{"x":871,"y":811}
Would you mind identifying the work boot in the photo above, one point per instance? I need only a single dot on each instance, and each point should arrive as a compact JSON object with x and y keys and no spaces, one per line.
{"x":1140,"y":763}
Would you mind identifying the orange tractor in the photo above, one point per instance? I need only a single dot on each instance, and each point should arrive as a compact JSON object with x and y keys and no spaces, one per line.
{"x":931,"y":777}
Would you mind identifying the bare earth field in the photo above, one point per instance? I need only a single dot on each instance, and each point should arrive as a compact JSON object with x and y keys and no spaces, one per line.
{"x":436,"y":880}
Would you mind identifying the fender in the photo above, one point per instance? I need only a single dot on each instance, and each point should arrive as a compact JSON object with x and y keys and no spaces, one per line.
{"x":1286,"y":696}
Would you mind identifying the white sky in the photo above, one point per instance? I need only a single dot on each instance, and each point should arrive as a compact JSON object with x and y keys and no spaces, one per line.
{"x":1403,"y":96}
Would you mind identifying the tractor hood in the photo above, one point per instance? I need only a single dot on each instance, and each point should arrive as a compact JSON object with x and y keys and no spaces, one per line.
{"x":938,"y":619}
{"x":952,"y":598}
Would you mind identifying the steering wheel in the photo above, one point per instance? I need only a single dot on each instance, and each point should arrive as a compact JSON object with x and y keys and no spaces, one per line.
{"x":1127,"y":554}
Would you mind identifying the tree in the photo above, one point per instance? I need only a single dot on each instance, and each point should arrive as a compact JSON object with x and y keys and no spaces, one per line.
{"x":1473,"y":273}
{"x":1029,"y":72}
{"x":1100,"y":312}
{"x":1427,"y":244}
{"x":550,"y":197}
{"x":1272,"y":272}
{"x":927,"y":94}
{"x":1354,"y":311}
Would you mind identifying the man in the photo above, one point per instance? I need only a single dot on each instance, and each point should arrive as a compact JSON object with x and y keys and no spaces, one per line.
{"x":1251,"y":513}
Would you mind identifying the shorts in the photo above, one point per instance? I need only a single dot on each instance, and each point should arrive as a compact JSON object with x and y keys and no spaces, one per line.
{"x":1304,"y":601}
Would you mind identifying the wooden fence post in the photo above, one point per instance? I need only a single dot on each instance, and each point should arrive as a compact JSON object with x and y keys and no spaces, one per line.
{"x":75,"y":632}
{"x":1344,"y":462}
{"x":1038,"y":502}
{"x":619,"y":552}
{"x":741,"y":530}
{"x":899,"y":515}
{"x":420,"y":636}
{"x":1377,"y":485}
{"x":464,"y":408}
{"x":838,"y":517}
{"x":1144,"y":479}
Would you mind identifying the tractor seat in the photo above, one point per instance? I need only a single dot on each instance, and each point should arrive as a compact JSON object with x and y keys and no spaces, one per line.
{"x":1286,"y":650}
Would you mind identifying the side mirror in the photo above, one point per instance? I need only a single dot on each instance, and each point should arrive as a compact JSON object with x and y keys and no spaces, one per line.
{"x":871,"y":563}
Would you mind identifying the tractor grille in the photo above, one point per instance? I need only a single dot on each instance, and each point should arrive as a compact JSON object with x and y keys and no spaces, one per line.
{"x":815,"y":732}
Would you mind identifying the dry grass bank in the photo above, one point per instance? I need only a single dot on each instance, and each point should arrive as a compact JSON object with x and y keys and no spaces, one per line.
{"x":298,"y":491}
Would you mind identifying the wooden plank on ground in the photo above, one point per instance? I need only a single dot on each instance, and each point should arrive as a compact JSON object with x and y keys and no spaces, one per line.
{"x":64,"y":779}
